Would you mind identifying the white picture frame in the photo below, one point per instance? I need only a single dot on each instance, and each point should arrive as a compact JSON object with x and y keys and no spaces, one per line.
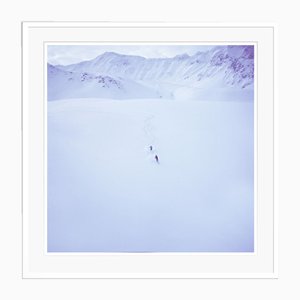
{"x":37,"y":263}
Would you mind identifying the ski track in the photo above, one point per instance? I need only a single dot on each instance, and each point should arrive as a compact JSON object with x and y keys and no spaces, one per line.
{"x":150,"y":138}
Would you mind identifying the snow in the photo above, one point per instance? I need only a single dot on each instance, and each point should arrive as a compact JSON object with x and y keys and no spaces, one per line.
{"x":106,"y":193}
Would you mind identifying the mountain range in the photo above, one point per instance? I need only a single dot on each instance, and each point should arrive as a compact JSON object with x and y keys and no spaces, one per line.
{"x":222,"y":72}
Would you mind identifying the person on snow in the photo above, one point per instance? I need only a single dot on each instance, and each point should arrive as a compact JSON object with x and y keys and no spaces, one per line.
{"x":151,"y":148}
{"x":156,"y":158}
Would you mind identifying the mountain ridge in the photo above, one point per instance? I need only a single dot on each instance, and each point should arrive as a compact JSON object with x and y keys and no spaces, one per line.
{"x":220,"y":67}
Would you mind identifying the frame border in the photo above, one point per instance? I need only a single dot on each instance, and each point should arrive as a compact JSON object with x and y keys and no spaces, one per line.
{"x":35,"y":24}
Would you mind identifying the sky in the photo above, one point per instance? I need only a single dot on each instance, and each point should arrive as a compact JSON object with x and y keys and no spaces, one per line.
{"x":70,"y":54}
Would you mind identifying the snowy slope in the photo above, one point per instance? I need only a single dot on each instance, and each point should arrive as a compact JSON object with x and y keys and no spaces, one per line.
{"x":69,"y":84}
{"x":107,"y":193}
{"x":225,"y":69}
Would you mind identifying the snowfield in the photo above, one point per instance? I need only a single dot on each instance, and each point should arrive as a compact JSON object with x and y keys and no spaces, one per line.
{"x":106,"y":192}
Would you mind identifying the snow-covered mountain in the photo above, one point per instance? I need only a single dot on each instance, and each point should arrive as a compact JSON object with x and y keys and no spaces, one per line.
{"x":69,"y":84}
{"x":117,"y":76}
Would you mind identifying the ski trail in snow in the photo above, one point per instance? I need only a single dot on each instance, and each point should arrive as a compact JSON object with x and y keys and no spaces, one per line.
{"x":151,"y":139}
{"x":148,"y":130}
{"x":147,"y":127}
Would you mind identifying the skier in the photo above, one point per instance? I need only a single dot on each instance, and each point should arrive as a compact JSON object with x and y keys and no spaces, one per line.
{"x":156,"y":158}
{"x":151,"y":148}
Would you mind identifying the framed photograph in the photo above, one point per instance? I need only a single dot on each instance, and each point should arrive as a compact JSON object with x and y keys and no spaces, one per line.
{"x":148,"y":150}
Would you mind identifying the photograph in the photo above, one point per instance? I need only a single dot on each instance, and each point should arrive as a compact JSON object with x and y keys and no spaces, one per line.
{"x":150,"y":148}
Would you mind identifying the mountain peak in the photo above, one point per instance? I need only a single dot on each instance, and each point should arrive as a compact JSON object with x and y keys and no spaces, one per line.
{"x":107,"y":54}
{"x":111,"y":53}
{"x":182,"y":56}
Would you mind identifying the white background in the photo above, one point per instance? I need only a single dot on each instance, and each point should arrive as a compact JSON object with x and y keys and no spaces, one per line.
{"x":285,"y":15}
